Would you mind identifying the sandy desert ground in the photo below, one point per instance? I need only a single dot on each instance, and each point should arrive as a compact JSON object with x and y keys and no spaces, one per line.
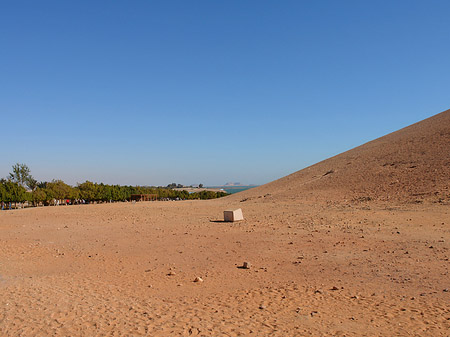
{"x":357,"y":245}
{"x":128,"y":270}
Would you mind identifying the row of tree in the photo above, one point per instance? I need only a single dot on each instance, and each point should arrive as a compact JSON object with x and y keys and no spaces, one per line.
{"x":14,"y":190}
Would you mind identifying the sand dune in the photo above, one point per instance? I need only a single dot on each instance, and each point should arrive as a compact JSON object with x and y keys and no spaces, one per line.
{"x":342,"y":253}
{"x":410,"y":165}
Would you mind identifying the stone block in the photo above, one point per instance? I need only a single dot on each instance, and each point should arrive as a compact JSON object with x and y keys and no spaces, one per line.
{"x":232,"y":215}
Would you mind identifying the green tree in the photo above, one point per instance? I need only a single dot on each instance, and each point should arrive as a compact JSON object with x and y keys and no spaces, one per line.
{"x":39,"y":195}
{"x":115,"y":193}
{"x":88,"y":190}
{"x":3,"y":192}
{"x":21,"y":175}
{"x":74,"y":193}
{"x":13,"y":192}
{"x":32,"y":183}
{"x":57,"y":189}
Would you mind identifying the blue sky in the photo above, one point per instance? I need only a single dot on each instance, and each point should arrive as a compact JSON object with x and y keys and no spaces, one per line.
{"x":149,"y":93}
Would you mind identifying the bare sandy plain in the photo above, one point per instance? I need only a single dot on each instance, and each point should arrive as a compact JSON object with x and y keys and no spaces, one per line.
{"x":343,"y":248}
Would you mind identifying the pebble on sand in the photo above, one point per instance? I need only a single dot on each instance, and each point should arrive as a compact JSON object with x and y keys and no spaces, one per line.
{"x":246,"y":265}
{"x":198,"y":279}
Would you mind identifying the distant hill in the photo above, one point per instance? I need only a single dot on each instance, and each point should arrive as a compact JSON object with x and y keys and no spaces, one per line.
{"x":409,"y":165}
{"x":233,"y":184}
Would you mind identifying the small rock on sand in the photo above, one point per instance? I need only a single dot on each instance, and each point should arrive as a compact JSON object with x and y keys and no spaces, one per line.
{"x":198,"y":279}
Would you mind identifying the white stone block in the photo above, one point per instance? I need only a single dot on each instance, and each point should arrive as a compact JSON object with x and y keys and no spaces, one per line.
{"x":233,"y":215}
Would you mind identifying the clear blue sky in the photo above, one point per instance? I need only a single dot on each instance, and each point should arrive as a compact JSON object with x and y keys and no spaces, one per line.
{"x":154,"y":92}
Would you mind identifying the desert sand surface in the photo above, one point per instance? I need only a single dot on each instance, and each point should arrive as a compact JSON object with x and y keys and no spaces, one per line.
{"x":347,"y":247}
{"x":128,"y":270}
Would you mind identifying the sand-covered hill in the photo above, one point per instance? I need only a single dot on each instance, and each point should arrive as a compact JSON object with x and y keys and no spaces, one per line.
{"x":409,"y":165}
